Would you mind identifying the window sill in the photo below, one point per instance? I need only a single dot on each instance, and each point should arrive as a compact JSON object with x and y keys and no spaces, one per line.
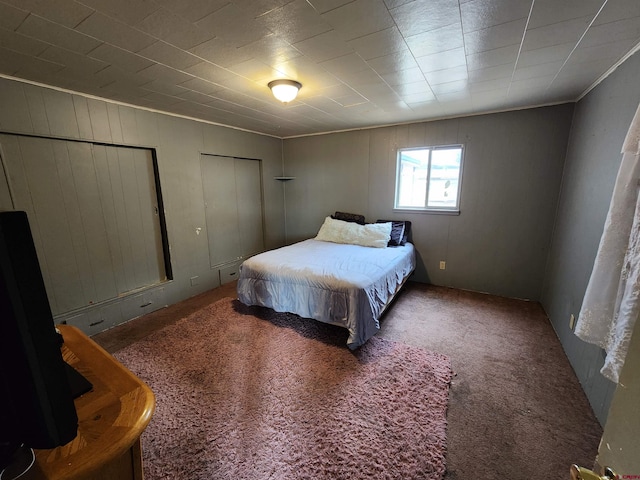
{"x":426,"y":211}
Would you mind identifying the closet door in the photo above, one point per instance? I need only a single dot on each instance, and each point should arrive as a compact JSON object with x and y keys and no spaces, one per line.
{"x":233,"y":207}
{"x":93,"y":211}
{"x":249,"y":195}
{"x":221,"y":208}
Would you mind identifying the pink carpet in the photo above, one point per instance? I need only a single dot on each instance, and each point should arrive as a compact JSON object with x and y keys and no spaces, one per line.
{"x":247,"y":393}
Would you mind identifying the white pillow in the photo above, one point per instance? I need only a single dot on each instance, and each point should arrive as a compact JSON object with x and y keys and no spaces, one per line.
{"x":370,"y":235}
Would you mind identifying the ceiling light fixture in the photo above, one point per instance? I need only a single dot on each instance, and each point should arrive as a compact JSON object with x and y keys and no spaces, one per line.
{"x":284,"y":90}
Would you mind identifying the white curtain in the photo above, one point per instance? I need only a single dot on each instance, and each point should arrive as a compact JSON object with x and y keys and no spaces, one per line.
{"x":612,"y":300}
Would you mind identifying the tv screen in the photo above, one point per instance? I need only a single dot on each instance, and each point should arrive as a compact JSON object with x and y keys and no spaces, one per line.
{"x":36,"y":403}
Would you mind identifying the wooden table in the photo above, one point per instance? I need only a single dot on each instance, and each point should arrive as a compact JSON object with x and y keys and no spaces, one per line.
{"x":111,"y":417}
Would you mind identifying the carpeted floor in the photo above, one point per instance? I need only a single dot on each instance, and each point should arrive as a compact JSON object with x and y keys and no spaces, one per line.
{"x":247,"y":393}
{"x":516,"y":409}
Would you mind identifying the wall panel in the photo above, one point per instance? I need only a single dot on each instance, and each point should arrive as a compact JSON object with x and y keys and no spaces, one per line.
{"x":37,"y":110}
{"x":600,"y":125}
{"x":332,"y":173}
{"x":14,"y":114}
{"x":61,"y":114}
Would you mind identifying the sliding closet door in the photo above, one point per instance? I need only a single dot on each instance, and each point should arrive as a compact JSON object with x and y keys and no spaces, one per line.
{"x":249,"y":194}
{"x":233,"y":205}
{"x":93,"y":211}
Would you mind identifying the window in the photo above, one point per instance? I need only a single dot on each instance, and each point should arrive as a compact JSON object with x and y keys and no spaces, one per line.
{"x":429,"y":178}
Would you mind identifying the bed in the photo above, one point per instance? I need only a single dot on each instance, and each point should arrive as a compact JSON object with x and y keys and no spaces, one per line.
{"x":333,"y":281}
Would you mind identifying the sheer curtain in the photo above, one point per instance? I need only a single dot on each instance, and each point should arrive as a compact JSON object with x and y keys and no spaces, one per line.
{"x":612,"y":300}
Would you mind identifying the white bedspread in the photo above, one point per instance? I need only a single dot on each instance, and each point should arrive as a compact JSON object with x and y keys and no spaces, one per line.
{"x":346,"y":285}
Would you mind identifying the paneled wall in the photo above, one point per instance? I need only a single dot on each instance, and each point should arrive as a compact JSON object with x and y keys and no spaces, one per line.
{"x":601,"y":122}
{"x":178,"y":143}
{"x":512,"y":173}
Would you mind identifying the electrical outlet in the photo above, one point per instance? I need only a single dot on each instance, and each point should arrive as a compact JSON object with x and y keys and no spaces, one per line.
{"x":572,"y":321}
{"x":443,"y":265}
{"x":195,"y":281}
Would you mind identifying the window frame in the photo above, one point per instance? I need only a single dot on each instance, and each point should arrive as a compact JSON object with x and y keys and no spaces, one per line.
{"x":427,"y":209}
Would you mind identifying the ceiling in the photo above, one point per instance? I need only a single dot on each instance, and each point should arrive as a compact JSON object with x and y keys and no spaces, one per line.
{"x":361,"y":62}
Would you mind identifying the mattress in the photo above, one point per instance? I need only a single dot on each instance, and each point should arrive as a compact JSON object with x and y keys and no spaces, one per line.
{"x":340,"y":284}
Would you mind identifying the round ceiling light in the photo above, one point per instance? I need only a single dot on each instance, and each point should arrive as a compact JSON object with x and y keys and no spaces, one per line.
{"x":284,"y":90}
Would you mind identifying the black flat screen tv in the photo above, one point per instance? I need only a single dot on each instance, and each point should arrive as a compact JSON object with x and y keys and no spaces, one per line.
{"x":36,"y":403}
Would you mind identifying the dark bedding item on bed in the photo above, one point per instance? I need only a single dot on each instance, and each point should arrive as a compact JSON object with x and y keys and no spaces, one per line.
{"x":349,"y":217}
{"x":400,"y":230}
